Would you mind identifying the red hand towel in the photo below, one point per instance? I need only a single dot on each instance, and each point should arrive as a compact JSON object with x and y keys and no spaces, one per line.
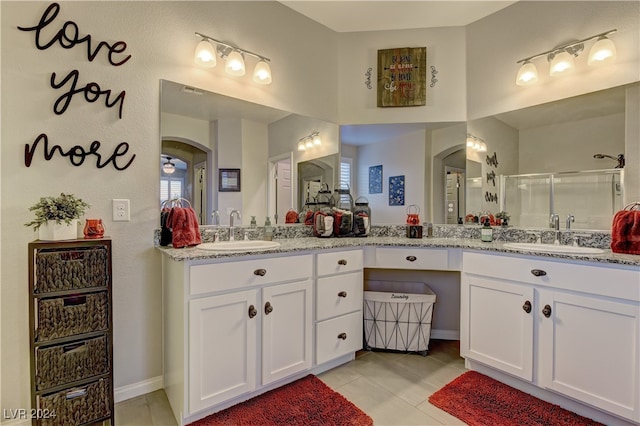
{"x":177,"y":222}
{"x":193,"y":227}
{"x":625,"y":232}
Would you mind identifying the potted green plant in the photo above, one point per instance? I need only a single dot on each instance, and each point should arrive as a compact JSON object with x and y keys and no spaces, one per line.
{"x":504,"y":218}
{"x":57,"y":217}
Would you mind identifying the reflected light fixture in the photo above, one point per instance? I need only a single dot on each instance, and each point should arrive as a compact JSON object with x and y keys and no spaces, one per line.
{"x":168,"y":167}
{"x":309,"y":141}
{"x":561,"y":58}
{"x":475,"y":143}
{"x":234,"y":56}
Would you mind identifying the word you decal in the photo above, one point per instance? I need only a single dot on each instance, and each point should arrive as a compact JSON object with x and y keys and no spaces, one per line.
{"x":47,"y":33}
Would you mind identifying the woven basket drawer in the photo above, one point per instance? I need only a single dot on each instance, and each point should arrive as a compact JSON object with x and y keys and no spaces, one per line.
{"x":71,"y":269}
{"x":61,"y":364}
{"x":79,"y":405}
{"x":67,"y":316}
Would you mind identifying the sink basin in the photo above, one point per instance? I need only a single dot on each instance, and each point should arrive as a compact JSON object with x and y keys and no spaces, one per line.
{"x":244,"y":245}
{"x":553,"y":248}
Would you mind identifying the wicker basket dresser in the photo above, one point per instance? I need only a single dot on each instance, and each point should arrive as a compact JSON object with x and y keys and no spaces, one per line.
{"x":71,"y":332}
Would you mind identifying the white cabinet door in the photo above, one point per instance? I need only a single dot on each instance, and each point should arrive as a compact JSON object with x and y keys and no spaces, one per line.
{"x":286,"y":330}
{"x":495,"y":327}
{"x":589,"y":350}
{"x":222,"y":350}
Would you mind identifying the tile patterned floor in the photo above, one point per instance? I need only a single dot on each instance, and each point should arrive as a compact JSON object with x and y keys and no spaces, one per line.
{"x":392,"y":388}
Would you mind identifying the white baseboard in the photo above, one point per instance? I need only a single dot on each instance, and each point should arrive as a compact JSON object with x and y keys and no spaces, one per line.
{"x":136,"y":389}
{"x":445,"y":334}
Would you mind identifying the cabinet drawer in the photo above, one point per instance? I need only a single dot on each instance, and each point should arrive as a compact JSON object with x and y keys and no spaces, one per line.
{"x":603,"y":279}
{"x":338,"y":336}
{"x":73,"y":269}
{"x":67,"y":316}
{"x":339,"y":261}
{"x":61,"y":364}
{"x":245,"y":273}
{"x":339,"y":295}
{"x":79,"y":405}
{"x":412,"y":258}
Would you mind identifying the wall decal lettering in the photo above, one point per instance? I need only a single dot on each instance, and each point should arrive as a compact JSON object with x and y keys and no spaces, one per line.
{"x":78,"y":154}
{"x":491,"y":177}
{"x":493,"y":160}
{"x":91,"y":92}
{"x":68,"y":37}
{"x":491,"y":197}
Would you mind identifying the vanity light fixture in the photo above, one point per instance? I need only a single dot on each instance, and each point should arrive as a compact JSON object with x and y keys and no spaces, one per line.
{"x":168,"y":167}
{"x":206,"y":53}
{"x":475,"y":143}
{"x":309,"y":141}
{"x":561,"y":58}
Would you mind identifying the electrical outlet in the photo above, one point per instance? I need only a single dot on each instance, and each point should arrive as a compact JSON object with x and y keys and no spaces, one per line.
{"x":121,"y":210}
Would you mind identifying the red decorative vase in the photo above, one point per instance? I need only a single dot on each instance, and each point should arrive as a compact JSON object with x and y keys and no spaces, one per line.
{"x":94,"y":228}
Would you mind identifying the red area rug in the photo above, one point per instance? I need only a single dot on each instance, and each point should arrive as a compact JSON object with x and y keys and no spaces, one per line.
{"x":479,"y":400}
{"x":305,"y":402}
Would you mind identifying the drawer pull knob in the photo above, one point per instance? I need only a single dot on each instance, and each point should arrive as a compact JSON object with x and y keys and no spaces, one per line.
{"x":527,"y":307}
{"x":342,"y":262}
{"x":268,"y":308}
{"x":342,"y":294}
{"x":546,"y":311}
{"x":342,"y":336}
{"x":260,"y":272}
{"x":252,"y":311}
{"x":74,"y":348}
{"x":411,"y":258}
{"x":538,"y":272}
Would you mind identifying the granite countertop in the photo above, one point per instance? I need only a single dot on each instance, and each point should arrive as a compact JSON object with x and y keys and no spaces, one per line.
{"x":289,"y":245}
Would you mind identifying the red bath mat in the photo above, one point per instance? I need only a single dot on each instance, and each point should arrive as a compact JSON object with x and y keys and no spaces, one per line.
{"x":479,"y":400}
{"x":305,"y":402}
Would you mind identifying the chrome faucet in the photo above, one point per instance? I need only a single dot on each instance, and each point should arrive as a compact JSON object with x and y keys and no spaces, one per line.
{"x":215,"y":217}
{"x":570,"y":218}
{"x":555,"y":221}
{"x":231,"y":230}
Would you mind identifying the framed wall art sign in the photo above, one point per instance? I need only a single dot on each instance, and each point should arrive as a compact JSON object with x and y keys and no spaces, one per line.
{"x":402,"y":75}
{"x":375,"y":179}
{"x":229,"y":180}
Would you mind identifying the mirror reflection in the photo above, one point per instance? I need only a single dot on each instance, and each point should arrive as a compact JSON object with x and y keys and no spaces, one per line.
{"x":563,"y":157}
{"x":202,"y":132}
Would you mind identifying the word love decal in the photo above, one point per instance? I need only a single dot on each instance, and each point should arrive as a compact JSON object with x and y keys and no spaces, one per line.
{"x":68,"y":37}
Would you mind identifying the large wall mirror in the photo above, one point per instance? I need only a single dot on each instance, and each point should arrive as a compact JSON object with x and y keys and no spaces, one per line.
{"x":564,"y":157}
{"x":203,"y":132}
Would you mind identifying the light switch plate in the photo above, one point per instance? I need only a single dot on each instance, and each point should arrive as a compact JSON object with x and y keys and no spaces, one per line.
{"x":121,"y":210}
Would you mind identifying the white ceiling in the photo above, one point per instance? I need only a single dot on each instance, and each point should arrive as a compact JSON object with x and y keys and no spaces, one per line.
{"x":367,"y":15}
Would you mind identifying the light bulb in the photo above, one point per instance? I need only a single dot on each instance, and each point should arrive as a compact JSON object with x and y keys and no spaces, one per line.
{"x":561,"y":64}
{"x":317,"y":140}
{"x":205,"y":54}
{"x":308,"y":142}
{"x":301,"y":146}
{"x":527,"y":74}
{"x":603,"y":52}
{"x":235,"y":64}
{"x":262,"y":73}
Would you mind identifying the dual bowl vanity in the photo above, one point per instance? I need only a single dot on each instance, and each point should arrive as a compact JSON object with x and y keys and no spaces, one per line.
{"x":239,"y":321}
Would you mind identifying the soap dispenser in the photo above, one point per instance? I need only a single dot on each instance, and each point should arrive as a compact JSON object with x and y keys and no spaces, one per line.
{"x":486,"y":232}
{"x":268,"y":230}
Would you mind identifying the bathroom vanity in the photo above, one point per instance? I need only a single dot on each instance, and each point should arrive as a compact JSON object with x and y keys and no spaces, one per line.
{"x":237,"y":325}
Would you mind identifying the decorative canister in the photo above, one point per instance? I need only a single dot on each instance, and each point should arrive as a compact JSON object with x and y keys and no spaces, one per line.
{"x":93,"y":228}
{"x":362,"y":215}
{"x":413,"y":215}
